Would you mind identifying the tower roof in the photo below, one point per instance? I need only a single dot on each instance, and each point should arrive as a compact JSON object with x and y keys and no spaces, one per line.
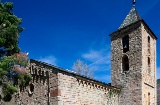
{"x":132,"y":20}
{"x":132,"y":17}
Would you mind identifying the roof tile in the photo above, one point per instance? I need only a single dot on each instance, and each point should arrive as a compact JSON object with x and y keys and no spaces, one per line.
{"x":132,"y":17}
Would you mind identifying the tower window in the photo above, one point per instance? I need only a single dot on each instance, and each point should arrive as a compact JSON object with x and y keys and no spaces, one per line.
{"x":148,"y":98}
{"x":125,"y":41}
{"x":148,"y":39}
{"x":148,"y":44}
{"x":125,"y":63}
{"x":149,"y":63}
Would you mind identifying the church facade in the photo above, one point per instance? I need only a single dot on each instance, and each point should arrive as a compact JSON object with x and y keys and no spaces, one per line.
{"x":133,"y":72}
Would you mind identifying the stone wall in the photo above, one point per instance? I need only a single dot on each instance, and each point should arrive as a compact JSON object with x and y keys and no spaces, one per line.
{"x":148,"y":67}
{"x":158,"y":92}
{"x":67,"y":88}
{"x":81,"y":91}
{"x":55,"y":86}
{"x":139,"y":82}
{"x":37,"y":92}
{"x":131,"y":80}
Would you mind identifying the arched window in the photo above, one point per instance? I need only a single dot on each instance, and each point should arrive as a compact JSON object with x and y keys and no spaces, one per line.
{"x":125,"y":63}
{"x":125,"y":42}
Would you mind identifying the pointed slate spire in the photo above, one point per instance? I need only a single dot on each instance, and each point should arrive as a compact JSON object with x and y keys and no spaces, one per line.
{"x":132,"y":17}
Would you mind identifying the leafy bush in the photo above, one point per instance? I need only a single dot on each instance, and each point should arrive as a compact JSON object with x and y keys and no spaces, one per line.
{"x":8,"y":88}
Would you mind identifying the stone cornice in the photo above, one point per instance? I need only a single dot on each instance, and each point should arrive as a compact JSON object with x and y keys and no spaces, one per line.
{"x":81,"y":79}
{"x":131,"y":27}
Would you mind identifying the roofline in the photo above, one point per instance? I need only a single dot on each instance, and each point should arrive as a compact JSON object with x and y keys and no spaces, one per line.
{"x":141,"y":20}
{"x":149,"y":29}
{"x":73,"y":73}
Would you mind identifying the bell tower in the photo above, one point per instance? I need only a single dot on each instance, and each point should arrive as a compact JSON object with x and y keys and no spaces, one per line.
{"x":133,"y":61}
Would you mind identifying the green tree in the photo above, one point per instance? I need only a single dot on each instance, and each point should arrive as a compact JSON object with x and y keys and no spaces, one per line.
{"x":13,"y":72}
{"x":9,"y":30}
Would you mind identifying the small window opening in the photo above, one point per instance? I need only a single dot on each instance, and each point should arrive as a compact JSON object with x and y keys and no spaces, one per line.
{"x":39,"y":72}
{"x":47,"y":74}
{"x":36,"y":71}
{"x":42,"y":73}
{"x":148,"y":39}
{"x":148,"y":44}
{"x":149,"y":64}
{"x":125,"y":41}
{"x":148,"y":98}
{"x":125,"y":63}
{"x":32,"y":88}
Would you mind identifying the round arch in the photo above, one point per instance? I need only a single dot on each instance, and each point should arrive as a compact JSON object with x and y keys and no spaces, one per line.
{"x":125,"y":63}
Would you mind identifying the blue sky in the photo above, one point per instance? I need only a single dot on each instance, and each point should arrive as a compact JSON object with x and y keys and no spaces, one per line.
{"x":61,"y":31}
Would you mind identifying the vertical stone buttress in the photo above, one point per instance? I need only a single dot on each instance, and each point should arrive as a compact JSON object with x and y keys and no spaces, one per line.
{"x":133,"y":61}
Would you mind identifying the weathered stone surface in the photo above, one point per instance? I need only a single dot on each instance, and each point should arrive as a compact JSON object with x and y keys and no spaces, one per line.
{"x":137,"y":82}
{"x":55,"y":86}
{"x":158,"y":92}
{"x":55,"y":93}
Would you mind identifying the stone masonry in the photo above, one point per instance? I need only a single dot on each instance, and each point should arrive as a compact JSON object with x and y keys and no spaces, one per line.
{"x":158,"y":92}
{"x":149,"y":81}
{"x":130,"y":81}
{"x":138,"y":82}
{"x":55,"y":86}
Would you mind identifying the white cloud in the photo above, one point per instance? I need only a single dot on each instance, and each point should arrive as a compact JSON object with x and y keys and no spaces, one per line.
{"x":99,"y":59}
{"x":49,"y":59}
{"x":100,"y":63}
{"x":92,"y":55}
{"x":158,"y":72}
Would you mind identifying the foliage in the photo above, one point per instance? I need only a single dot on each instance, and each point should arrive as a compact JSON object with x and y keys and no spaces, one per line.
{"x":9,"y":30}
{"x":112,"y":96}
{"x":13,"y":72}
{"x":24,"y":79}
{"x":9,"y":89}
{"x":81,"y":68}
{"x":112,"y":93}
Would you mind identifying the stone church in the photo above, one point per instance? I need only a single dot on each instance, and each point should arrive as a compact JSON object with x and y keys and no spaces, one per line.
{"x":133,"y":72}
